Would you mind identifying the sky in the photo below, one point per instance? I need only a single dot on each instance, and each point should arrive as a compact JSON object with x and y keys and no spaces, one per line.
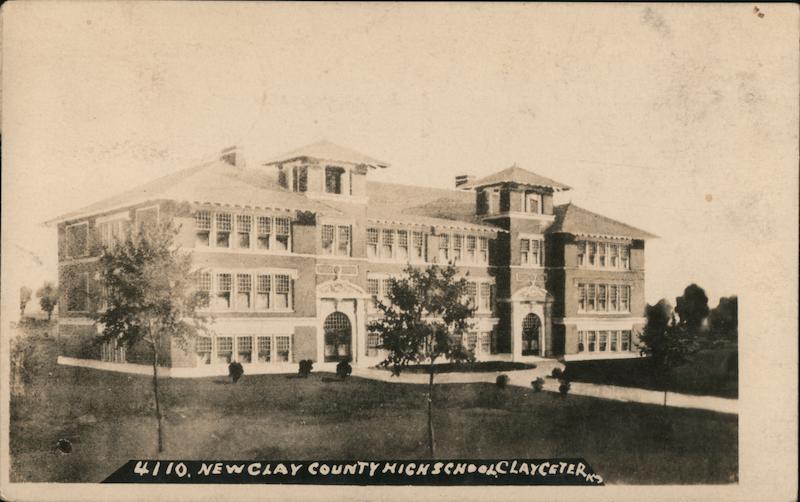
{"x":680,"y":120}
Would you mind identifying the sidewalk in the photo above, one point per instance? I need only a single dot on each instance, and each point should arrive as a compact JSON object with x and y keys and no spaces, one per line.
{"x":522,"y":378}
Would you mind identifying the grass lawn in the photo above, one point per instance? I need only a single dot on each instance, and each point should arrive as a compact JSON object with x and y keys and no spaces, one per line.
{"x":708,"y":372}
{"x":108,"y":418}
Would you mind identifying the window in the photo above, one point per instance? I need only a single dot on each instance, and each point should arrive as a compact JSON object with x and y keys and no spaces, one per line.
{"x":613,"y":252}
{"x":592,"y":253}
{"x":333,"y":179}
{"x":472,"y":341}
{"x":603,"y":341}
{"x":581,"y":297}
{"x":372,"y":243}
{"x":264,"y":349}
{"x":282,"y":292}
{"x":591,"y":297}
{"x":78,"y":240}
{"x":224,"y":349}
{"x":581,"y":252}
{"x":203,"y":350}
{"x":626,"y":257}
{"x":202,"y":229}
{"x":626,"y":341}
{"x":484,"y":249}
{"x":373,"y":344}
{"x":387,"y":246}
{"x":533,"y":203}
{"x":264,"y":229}
{"x":244,"y":225}
{"x":343,"y":243}
{"x":244,"y":286}
{"x":592,"y":341}
{"x":472,"y":243}
{"x":386,"y":287}
{"x":531,"y":252}
{"x":283,"y":348}
{"x":614,"y":338}
{"x":601,"y":297}
{"x":444,"y":248}
{"x":282,"y":229}
{"x":625,"y":302}
{"x":418,"y":246}
{"x":581,"y":341}
{"x":486,"y":297}
{"x":78,"y":293}
{"x":485,"y":342}
{"x":263,"y":288}
{"x":299,"y":178}
{"x":613,"y":301}
{"x":373,"y":288}
{"x":244,"y":349}
{"x":458,"y":244}
{"x":147,"y":217}
{"x":109,"y":232}
{"x":336,"y":240}
{"x":402,"y":245}
{"x":223,"y":230}
{"x":601,"y":254}
{"x":203,"y":289}
{"x":472,"y":294}
{"x":223,"y":299}
{"x":328,"y":232}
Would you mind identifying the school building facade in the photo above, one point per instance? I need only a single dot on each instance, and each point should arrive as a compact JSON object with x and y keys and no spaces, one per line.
{"x":292,"y":253}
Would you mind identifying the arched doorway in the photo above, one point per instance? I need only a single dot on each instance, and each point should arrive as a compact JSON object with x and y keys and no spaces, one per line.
{"x":531,"y":326}
{"x":338,"y":337}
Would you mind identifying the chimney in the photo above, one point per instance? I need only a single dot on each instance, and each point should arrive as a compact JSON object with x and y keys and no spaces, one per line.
{"x":232,"y":155}
{"x":463,"y":179}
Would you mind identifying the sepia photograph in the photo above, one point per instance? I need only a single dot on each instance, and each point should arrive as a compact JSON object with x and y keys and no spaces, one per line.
{"x":339,"y":250}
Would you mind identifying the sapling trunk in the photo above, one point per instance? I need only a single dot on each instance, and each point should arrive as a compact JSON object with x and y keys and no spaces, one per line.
{"x":155,"y":393}
{"x":431,"y":439}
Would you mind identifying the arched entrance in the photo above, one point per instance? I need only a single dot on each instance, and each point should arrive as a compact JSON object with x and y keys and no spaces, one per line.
{"x":338,"y":337}
{"x":531,"y":326}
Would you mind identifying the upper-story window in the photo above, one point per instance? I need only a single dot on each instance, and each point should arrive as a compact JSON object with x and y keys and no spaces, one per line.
{"x":224,"y":227}
{"x":480,"y":295}
{"x":463,"y":249}
{"x":77,"y":236}
{"x":272,"y":291}
{"x":418,"y":246}
{"x":271,"y":233}
{"x":396,"y":245}
{"x":606,"y":255}
{"x":78,"y":293}
{"x":604,"y":298}
{"x":111,"y":231}
{"x":531,"y":252}
{"x":333,"y":179}
{"x":444,"y":248}
{"x":300,"y":178}
{"x":533,"y":203}
{"x":378,"y":288}
{"x":483,"y":243}
{"x":336,"y":240}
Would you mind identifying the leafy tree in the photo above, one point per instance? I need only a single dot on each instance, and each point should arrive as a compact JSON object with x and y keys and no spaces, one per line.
{"x":24,"y":298}
{"x":667,"y":341}
{"x":424,"y":319}
{"x":149,"y":296}
{"x":692,"y":308}
{"x":723,"y":320}
{"x":48,"y":298}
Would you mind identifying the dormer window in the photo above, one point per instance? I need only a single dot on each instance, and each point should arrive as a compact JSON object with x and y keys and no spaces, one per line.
{"x":533,"y":203}
{"x":333,"y":179}
{"x":299,"y":178}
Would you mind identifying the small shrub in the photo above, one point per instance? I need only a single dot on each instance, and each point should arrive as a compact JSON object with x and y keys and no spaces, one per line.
{"x":343,"y":369}
{"x":563,"y":389}
{"x":306,"y":365}
{"x":537,"y":384}
{"x":557,"y":373}
{"x":235,"y":371}
{"x":501,"y":381}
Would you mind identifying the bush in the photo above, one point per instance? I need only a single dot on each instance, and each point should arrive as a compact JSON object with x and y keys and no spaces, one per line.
{"x":563,"y":389}
{"x":501,"y":381}
{"x":306,"y":365}
{"x":343,"y":369}
{"x":537,"y":384}
{"x":557,"y":373}
{"x":235,"y":371}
